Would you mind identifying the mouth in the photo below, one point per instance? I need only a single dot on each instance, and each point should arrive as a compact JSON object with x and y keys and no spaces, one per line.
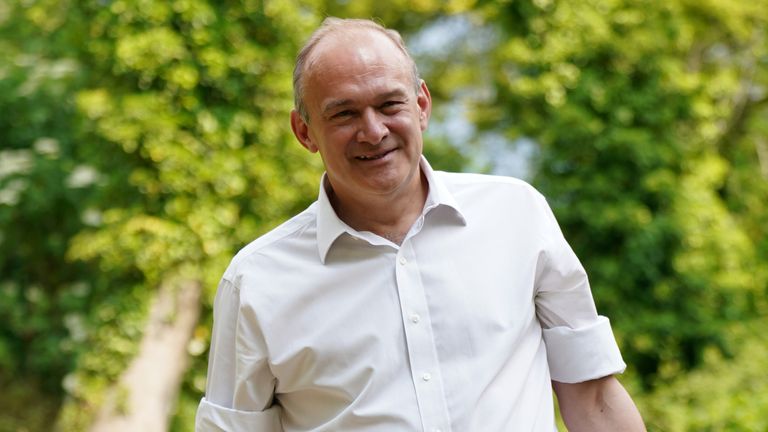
{"x":374,"y":156}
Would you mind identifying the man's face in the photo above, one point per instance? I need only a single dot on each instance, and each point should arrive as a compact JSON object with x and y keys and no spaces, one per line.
{"x":365,"y":116}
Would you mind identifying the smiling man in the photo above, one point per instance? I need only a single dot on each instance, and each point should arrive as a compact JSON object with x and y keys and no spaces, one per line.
{"x":404,"y":299}
{"x":364,"y":110}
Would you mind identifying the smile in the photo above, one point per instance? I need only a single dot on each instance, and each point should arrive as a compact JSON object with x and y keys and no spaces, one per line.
{"x":374,"y":157}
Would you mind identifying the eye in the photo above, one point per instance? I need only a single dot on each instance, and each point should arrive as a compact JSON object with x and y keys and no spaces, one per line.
{"x":391,"y":106}
{"x":342,"y":114}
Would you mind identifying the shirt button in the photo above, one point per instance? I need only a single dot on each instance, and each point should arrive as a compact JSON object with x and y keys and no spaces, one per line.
{"x":403,"y":261}
{"x":426,"y":376}
{"x":415,"y":318}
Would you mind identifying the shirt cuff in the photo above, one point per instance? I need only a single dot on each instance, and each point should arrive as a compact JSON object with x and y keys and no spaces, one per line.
{"x":215,"y":418}
{"x":584,"y":353}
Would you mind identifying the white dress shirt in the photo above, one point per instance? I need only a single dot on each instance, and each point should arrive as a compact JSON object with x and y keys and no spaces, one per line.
{"x":319,"y":327}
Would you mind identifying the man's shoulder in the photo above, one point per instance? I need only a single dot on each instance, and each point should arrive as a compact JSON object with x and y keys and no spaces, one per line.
{"x":278,"y":237}
{"x":459,"y":182}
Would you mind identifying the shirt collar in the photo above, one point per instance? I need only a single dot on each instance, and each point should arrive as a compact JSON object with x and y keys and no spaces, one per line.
{"x":330,"y":227}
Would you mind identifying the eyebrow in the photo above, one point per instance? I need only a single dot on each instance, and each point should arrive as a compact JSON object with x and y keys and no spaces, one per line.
{"x":336,"y":103}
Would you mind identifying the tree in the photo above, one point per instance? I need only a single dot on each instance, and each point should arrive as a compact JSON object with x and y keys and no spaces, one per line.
{"x":47,"y":188}
{"x":179,"y":110}
{"x":174,"y":125}
{"x":195,"y":95}
{"x":645,"y":115}
{"x":148,"y":141}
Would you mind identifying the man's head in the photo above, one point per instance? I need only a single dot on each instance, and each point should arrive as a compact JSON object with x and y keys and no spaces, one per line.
{"x":333,"y":25}
{"x":361,"y":105}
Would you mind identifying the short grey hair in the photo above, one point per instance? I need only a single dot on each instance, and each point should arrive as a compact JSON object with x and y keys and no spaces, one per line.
{"x":335,"y":25}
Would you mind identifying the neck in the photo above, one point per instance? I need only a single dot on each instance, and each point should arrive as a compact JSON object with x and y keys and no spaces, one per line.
{"x":389,"y":216}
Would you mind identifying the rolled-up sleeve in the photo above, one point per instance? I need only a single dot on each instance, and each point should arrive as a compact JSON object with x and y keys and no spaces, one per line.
{"x":216,"y":418}
{"x":577,"y":355}
{"x":240,"y":386}
{"x":580,"y":343}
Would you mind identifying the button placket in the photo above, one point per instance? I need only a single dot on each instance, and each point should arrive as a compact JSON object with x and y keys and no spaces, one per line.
{"x":422,"y":352}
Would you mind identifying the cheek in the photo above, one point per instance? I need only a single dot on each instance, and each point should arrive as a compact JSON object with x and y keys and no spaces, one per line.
{"x":409,"y":126}
{"x":334,"y":144}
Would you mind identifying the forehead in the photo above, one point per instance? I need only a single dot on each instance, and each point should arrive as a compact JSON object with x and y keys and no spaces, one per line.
{"x":355,"y":46}
{"x":355,"y":61}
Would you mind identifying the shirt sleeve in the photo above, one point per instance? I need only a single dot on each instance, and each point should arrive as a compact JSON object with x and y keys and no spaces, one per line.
{"x":240,"y":387}
{"x":580,"y":343}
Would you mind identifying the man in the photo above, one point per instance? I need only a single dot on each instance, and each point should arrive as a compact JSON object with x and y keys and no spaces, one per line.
{"x":404,"y":299}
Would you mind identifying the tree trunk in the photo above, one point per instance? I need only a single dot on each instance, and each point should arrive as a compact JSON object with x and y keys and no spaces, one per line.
{"x":145,"y":396}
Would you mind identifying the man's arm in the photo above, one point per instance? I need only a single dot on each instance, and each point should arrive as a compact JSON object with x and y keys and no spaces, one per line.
{"x":598,"y":405}
{"x":240,"y":386}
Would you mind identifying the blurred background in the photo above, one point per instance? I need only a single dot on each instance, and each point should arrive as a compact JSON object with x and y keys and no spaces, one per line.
{"x":143,"y":142}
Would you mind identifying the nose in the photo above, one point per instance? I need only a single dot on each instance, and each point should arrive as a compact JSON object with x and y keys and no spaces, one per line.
{"x":372,"y":129}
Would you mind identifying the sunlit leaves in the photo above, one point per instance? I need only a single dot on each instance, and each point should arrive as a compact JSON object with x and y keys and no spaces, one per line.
{"x":728,"y":393}
{"x":176,"y":131}
{"x":149,"y":51}
{"x":631,"y":103}
{"x":158,"y":131}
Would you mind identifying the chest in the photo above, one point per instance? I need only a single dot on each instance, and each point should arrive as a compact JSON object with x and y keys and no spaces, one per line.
{"x":368,"y":305}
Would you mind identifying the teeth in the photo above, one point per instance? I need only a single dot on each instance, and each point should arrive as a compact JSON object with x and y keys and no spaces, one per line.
{"x":373,"y":157}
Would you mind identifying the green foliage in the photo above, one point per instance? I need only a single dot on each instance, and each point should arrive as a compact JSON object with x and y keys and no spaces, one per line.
{"x":143,"y":140}
{"x":727,"y":393}
{"x":169,"y":153}
{"x":211,"y":168}
{"x":25,"y":408}
{"x":53,"y":311}
{"x":629,"y":102}
{"x":111,"y":334}
{"x":194,"y":97}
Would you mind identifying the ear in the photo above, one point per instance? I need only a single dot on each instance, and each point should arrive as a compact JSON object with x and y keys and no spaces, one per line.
{"x":301,"y":131}
{"x":424,"y":100}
